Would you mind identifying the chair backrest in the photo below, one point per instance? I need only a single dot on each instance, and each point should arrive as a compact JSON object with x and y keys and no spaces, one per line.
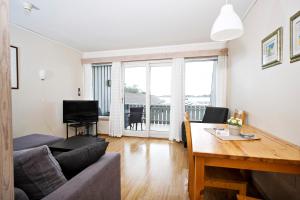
{"x":136,"y":114}
{"x":136,"y":110}
{"x":189,"y":147}
{"x":215,"y":115}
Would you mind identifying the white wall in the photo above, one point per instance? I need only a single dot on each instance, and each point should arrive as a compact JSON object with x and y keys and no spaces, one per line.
{"x":270,"y":96}
{"x":37,"y":105}
{"x":103,"y":125}
{"x":157,"y":49}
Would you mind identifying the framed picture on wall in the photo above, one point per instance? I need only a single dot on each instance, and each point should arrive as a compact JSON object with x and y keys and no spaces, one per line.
{"x":271,"y":47}
{"x":295,"y":37}
{"x":14,"y":72}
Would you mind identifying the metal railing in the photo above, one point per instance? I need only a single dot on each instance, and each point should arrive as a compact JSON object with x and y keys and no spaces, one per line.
{"x":196,"y":112}
{"x":160,"y":114}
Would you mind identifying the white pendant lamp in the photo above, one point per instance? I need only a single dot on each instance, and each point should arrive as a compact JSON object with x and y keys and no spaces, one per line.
{"x":228,"y":25}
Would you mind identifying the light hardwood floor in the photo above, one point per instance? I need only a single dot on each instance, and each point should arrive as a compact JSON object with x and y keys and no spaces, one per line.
{"x":151,"y":168}
{"x":156,"y":169}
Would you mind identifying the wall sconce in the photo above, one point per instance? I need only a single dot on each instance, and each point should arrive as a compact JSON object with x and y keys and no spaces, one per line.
{"x":42,"y":74}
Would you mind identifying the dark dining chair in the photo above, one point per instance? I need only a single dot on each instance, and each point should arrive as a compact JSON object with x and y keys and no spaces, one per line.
{"x":214,"y":115}
{"x":135,"y":117}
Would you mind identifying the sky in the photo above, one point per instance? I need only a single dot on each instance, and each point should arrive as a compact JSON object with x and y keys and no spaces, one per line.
{"x":198,"y":77}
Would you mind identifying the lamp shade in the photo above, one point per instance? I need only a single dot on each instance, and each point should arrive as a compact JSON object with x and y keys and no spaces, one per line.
{"x":228,"y":25}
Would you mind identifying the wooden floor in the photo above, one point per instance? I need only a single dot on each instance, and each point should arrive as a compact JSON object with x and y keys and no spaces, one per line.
{"x":151,"y":168}
{"x":155,"y":169}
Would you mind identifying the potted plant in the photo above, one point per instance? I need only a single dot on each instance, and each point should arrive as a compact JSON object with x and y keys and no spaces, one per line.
{"x":234,"y":125}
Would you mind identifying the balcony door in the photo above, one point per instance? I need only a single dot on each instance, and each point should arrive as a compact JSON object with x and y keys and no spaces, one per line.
{"x":147,"y":95}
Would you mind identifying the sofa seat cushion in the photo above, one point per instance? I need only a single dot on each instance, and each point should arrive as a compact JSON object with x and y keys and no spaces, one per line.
{"x":34,"y":140}
{"x":37,"y":172}
{"x":75,"y":161}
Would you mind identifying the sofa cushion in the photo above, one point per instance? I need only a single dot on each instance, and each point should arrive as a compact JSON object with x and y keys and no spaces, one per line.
{"x":99,"y":181}
{"x":20,"y":194}
{"x":75,"y":161}
{"x":34,"y":140}
{"x":37,"y":172}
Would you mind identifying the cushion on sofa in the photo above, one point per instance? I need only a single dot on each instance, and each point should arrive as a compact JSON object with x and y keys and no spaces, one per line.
{"x":37,"y":172}
{"x":75,"y":161}
{"x":99,"y":181}
{"x":20,"y":194}
{"x":34,"y":140}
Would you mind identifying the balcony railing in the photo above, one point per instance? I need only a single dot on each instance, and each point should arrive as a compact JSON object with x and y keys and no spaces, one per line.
{"x":160,"y":114}
{"x":196,"y":111}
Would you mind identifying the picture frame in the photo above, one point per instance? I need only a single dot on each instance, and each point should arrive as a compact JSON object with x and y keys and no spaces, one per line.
{"x":271,"y":49}
{"x":14,"y":65}
{"x":295,"y":37}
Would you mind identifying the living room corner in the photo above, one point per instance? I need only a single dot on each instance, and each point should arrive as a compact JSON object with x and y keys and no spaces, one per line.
{"x":42,"y":99}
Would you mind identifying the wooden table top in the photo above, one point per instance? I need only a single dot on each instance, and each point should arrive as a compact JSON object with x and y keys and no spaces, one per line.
{"x":267,"y":149}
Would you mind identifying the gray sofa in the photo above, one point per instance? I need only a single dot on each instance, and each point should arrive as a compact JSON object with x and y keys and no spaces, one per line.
{"x":99,"y":181}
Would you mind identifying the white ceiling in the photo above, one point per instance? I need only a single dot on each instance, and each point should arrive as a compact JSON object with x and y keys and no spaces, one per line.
{"x":95,"y":25}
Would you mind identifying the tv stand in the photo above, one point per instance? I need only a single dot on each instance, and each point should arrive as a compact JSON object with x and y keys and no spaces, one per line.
{"x":77,"y":125}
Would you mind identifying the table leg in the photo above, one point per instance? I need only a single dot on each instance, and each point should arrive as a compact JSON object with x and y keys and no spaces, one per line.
{"x":191,"y":179}
{"x":199,"y":178}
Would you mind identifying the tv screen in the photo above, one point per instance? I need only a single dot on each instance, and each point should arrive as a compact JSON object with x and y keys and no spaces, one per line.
{"x":80,"y":111}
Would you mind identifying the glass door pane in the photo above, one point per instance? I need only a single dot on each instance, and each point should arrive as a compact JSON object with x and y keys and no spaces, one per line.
{"x":135,"y":98}
{"x":198,"y":87}
{"x":160,"y":97}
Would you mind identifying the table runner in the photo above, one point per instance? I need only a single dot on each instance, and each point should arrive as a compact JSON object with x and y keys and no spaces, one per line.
{"x":223,"y":134}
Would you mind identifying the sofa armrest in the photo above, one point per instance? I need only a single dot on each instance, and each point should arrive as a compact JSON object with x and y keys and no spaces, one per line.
{"x":100,"y":181}
{"x":34,"y":140}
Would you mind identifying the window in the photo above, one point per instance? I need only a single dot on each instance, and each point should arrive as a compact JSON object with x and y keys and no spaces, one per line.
{"x":198,"y":86}
{"x":101,"y":87}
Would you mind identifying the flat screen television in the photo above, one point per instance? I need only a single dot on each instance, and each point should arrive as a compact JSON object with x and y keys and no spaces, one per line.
{"x":80,"y":111}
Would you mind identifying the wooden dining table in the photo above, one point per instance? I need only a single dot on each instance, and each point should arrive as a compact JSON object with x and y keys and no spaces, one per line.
{"x":269,"y":153}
